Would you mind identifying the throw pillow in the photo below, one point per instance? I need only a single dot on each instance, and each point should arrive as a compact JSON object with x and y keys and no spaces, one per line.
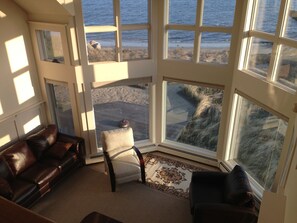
{"x":42,"y":140}
{"x":19,"y":157}
{"x":58,"y":150}
{"x":237,"y":188}
{"x":5,"y":189}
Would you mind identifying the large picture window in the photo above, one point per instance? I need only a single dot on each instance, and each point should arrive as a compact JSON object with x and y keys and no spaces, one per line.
{"x":193,"y":115}
{"x":257,"y":141}
{"x":116,"y":105}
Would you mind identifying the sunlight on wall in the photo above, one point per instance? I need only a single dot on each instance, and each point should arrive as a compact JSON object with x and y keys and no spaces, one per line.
{"x":17,"y":54}
{"x":32,"y":124}
{"x":2,"y":15}
{"x":1,"y":110}
{"x":23,"y":87}
{"x":5,"y":139}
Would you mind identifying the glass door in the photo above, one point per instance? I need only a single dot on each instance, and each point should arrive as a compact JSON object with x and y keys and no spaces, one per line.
{"x":61,"y":109}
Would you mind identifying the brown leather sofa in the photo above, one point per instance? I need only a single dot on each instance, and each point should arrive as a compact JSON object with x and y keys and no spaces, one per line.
{"x":31,"y":167}
{"x":222,"y":197}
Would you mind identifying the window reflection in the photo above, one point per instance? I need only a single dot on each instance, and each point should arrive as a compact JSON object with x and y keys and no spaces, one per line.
{"x":193,"y":114}
{"x":258,"y":141}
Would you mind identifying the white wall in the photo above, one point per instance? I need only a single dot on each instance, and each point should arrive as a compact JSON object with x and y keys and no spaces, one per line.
{"x":20,"y":98}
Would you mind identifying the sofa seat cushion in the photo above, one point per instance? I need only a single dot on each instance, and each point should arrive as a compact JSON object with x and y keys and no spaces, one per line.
{"x":40,"y":174}
{"x":42,"y":140}
{"x":63,"y":164}
{"x":22,"y":190}
{"x":19,"y":157}
{"x":58,"y":150}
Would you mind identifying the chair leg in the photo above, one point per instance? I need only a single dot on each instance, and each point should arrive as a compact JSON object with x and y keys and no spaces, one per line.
{"x":143,"y":175}
{"x":113,"y":184}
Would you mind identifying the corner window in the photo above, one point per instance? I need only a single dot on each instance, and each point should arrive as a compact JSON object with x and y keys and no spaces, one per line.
{"x":257,"y":141}
{"x":193,"y":115}
{"x":272,"y":42}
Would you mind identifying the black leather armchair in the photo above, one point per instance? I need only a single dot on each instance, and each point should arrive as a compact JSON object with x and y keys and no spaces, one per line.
{"x":222,"y":197}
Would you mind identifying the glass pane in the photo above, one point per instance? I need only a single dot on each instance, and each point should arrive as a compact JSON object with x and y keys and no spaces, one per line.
{"x":98,"y":12}
{"x":213,"y":15}
{"x":101,"y":47}
{"x":50,"y":46}
{"x":115,"y":104}
{"x":193,"y":115}
{"x":267,"y":15}
{"x":291,"y":27}
{"x":259,"y":56}
{"x":215,"y":47}
{"x":135,"y":44}
{"x":182,"y":12}
{"x":287,"y":67}
{"x":180,"y":44}
{"x":258,"y":141}
{"x":62,"y":108}
{"x":134,"y":12}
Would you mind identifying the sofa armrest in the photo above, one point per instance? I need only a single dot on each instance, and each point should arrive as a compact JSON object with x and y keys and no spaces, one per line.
{"x":208,"y":177}
{"x":204,"y":212}
{"x":78,"y":144}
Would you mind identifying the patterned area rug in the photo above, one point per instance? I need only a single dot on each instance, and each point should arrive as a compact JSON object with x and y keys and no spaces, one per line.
{"x":169,"y":175}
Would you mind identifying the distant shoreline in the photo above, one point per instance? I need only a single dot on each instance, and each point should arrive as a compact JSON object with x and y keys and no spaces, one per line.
{"x":211,"y":55}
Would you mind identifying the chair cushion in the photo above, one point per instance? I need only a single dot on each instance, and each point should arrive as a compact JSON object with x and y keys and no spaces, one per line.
{"x":42,"y":140}
{"x":117,"y":140}
{"x":5,"y":189}
{"x":58,"y":150}
{"x":19,"y":157}
{"x":237,"y":188}
{"x":125,"y":166}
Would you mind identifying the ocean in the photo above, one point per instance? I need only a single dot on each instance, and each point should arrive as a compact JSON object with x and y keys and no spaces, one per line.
{"x":216,"y":13}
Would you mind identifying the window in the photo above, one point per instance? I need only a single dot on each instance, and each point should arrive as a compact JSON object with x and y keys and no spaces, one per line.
{"x":50,"y":46}
{"x":61,"y":107}
{"x":193,"y":114}
{"x":272,"y":42}
{"x":114,"y":105}
{"x":199,"y":31}
{"x":257,"y":141}
{"x":117,"y":30}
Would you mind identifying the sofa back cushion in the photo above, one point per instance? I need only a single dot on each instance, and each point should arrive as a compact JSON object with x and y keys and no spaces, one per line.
{"x":237,"y":188}
{"x":42,"y":140}
{"x":19,"y":157}
{"x":5,"y":171}
{"x":5,"y":189}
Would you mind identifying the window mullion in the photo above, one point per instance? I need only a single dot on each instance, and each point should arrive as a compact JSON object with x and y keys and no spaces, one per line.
{"x":197,"y":41}
{"x":117,"y":18}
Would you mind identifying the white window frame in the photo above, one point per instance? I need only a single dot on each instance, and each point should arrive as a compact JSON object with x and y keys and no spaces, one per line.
{"x":118,"y":28}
